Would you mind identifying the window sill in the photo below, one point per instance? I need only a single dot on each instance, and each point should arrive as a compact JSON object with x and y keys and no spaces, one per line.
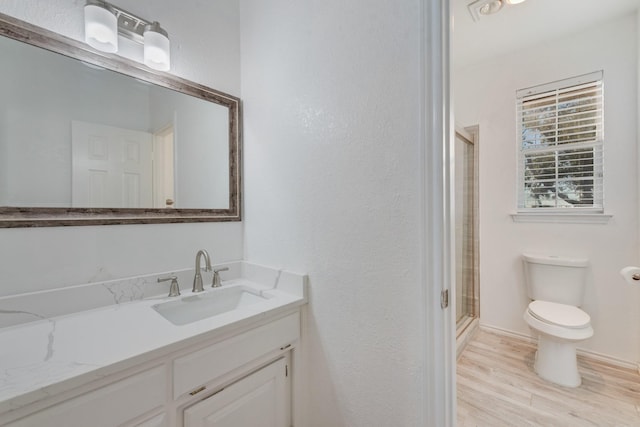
{"x":561,"y":218}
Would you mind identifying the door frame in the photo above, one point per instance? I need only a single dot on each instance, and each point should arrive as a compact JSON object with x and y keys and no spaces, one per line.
{"x":437,"y":243}
{"x":160,"y":140}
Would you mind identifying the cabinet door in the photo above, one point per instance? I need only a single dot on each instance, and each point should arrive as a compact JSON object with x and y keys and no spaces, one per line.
{"x":261,"y":399}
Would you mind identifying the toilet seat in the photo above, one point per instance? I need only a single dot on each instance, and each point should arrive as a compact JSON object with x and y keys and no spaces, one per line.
{"x":563,"y":315}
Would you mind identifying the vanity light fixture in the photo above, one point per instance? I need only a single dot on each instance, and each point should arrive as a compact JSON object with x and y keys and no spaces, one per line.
{"x":101,"y":26}
{"x":104,"y":22}
{"x":480,"y":8}
{"x":156,"y":47}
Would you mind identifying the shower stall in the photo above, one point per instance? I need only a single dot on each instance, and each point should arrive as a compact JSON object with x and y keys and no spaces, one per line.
{"x":466,"y":229}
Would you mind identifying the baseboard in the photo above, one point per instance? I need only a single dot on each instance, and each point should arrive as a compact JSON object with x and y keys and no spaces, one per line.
{"x":588,"y":354}
{"x":593,"y":355}
{"x":506,"y":332}
{"x":465,"y":335}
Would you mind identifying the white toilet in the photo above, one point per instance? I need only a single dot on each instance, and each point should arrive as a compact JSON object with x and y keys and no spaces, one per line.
{"x":556,"y":286}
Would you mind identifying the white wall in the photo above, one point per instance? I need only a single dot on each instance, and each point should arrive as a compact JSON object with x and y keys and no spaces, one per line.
{"x":485,"y":95}
{"x":205,"y":49}
{"x":331,"y":107}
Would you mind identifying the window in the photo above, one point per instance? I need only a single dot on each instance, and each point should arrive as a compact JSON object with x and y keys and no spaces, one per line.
{"x":560,"y":130}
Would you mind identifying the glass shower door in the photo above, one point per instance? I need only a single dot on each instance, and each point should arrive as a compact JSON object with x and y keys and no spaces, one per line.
{"x":465,"y":228}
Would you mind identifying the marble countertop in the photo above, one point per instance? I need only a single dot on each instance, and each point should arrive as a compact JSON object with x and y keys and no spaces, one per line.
{"x":48,"y":356}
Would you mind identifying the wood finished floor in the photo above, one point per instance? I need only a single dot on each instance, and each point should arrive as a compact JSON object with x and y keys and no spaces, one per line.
{"x":498,"y":387}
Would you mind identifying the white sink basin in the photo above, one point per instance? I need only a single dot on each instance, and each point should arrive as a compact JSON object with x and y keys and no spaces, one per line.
{"x":201,"y":306}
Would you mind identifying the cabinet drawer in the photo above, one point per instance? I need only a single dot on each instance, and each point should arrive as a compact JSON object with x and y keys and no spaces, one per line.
{"x":203,"y":366}
{"x":108,"y":406}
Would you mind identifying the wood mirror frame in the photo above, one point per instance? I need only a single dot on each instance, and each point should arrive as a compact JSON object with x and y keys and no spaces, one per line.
{"x":11,"y":217}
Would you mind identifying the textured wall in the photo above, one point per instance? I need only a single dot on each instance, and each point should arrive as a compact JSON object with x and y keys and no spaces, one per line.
{"x":331,"y":97}
{"x":485,"y":95}
{"x":205,"y":49}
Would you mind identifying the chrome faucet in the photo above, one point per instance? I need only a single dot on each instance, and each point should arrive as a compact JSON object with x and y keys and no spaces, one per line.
{"x":197,"y":280}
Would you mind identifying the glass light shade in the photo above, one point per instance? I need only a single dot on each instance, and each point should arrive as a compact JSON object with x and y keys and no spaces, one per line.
{"x":157,"y":54}
{"x":515,"y":1}
{"x":491,"y":7}
{"x":100,"y":28}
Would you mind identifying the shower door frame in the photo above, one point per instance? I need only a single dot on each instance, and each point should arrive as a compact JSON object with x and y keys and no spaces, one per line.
{"x":471,"y":134}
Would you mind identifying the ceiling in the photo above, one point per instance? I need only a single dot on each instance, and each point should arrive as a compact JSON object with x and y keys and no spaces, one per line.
{"x":530,"y":23}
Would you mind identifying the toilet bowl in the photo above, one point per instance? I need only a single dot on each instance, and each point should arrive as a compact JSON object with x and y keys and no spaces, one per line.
{"x":559,"y":328}
{"x":556,"y":286}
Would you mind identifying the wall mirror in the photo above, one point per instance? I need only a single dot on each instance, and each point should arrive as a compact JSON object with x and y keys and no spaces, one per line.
{"x":88,"y":138}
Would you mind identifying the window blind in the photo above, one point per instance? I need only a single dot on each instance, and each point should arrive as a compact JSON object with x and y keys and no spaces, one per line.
{"x":560,"y":128}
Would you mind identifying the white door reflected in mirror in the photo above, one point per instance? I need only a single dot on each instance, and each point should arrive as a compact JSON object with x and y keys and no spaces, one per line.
{"x":121,"y":168}
{"x":112,"y":167}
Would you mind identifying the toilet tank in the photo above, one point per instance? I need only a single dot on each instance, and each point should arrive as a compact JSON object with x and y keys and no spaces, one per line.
{"x":555,"y":279}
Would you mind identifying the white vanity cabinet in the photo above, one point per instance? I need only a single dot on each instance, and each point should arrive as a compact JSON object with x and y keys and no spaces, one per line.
{"x":241,"y":377}
{"x":261,"y":399}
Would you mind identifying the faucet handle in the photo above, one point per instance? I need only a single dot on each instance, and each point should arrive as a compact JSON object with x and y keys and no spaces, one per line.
{"x":174,"y":289}
{"x":217,"y":282}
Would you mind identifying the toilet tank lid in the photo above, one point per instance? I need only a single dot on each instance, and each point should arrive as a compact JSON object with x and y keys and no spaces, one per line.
{"x":556,"y":260}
